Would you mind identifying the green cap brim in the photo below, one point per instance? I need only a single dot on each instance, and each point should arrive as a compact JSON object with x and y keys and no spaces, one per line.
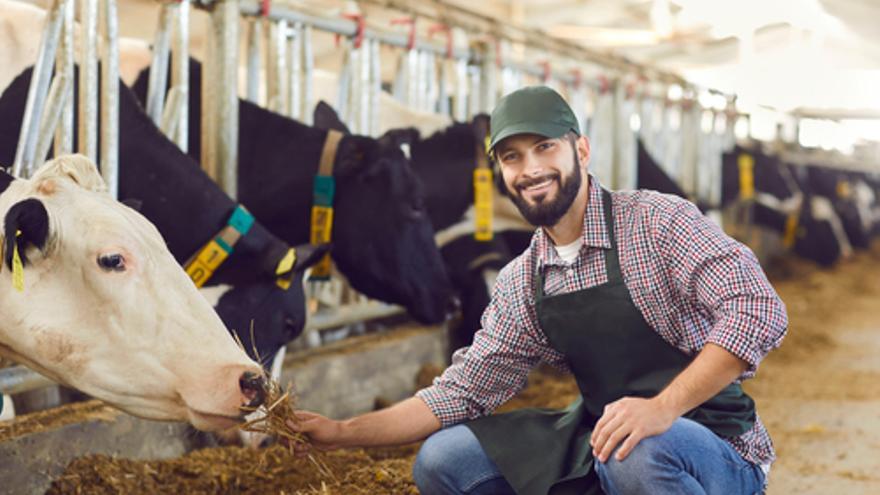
{"x":546,"y":129}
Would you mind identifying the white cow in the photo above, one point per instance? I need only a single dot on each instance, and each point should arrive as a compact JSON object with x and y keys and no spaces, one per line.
{"x":106,"y":309}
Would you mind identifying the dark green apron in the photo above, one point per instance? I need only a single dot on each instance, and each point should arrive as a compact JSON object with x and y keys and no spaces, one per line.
{"x":613,"y":353}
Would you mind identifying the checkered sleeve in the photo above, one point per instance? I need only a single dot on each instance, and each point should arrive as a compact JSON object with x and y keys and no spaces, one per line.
{"x":493,"y":369}
{"x":724,"y":277}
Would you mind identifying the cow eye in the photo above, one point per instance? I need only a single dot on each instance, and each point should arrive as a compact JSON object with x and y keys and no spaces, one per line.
{"x":112,"y":262}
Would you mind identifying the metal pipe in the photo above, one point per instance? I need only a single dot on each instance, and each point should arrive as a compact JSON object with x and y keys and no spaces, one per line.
{"x":345,"y":82}
{"x":276,"y":90}
{"x":64,"y":65}
{"x":110,"y":98}
{"x":460,"y":110}
{"x":33,"y":110}
{"x":88,"y":80}
{"x":18,"y":379}
{"x":255,"y":36}
{"x":225,"y":26}
{"x":376,"y":86}
{"x":294,"y":83}
{"x":59,"y":96}
{"x":180,"y":73}
{"x":158,"y":82}
{"x":308,"y":73}
{"x":366,"y":88}
{"x":171,"y":116}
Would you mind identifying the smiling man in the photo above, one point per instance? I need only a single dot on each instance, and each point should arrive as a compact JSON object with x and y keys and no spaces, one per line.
{"x":657,"y":313}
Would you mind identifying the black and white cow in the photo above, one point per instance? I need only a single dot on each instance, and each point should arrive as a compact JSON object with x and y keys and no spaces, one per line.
{"x":784,"y":199}
{"x":91,"y":297}
{"x":189,"y":209}
{"x":382,"y":237}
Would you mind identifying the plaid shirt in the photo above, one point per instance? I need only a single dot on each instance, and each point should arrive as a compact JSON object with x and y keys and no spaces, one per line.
{"x":692,"y":283}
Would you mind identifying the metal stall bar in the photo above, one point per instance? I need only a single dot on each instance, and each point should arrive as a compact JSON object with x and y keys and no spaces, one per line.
{"x":220,"y":97}
{"x":158,"y":81}
{"x":294,"y":74}
{"x":308,"y":73}
{"x":64,"y":65}
{"x":88,"y":80}
{"x":255,"y":37}
{"x":110,"y":97}
{"x":36,"y":98}
{"x":180,"y":74}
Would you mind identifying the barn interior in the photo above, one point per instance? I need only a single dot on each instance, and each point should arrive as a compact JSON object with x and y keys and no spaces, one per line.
{"x":353,"y":293}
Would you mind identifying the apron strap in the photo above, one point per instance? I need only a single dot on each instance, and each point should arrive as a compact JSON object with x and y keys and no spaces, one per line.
{"x":612,"y":260}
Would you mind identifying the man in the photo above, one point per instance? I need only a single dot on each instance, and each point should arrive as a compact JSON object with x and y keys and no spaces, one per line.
{"x":656,"y":312}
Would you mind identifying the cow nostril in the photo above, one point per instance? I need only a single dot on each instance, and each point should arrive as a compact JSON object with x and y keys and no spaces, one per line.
{"x":253,"y":387}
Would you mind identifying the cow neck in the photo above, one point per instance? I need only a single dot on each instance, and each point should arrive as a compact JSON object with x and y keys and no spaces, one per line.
{"x":444,"y":164}
{"x":322,"y":204}
{"x":182,"y":201}
{"x":204,"y":263}
{"x":278,"y":162}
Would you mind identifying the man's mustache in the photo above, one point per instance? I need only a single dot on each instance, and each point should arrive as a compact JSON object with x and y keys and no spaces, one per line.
{"x":531,"y":181}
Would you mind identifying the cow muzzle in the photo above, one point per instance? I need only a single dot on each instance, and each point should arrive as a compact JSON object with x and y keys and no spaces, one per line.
{"x":253,"y":387}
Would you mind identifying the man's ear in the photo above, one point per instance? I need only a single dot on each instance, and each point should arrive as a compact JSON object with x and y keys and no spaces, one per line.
{"x":29,"y":217}
{"x":583,"y":149}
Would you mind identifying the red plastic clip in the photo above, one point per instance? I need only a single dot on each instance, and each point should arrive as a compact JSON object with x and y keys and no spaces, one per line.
{"x":604,"y":84}
{"x":265,"y":7}
{"x":443,"y":28}
{"x":545,"y":71}
{"x":578,"y":78}
{"x":359,"y":33}
{"x":411,"y":39}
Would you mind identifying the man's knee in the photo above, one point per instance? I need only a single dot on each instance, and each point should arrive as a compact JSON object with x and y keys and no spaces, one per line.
{"x":441,"y":452}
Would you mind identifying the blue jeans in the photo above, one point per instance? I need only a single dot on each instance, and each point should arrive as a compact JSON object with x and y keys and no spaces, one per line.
{"x":686,"y":459}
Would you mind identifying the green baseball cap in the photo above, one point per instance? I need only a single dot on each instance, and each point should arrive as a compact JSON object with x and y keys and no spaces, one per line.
{"x":531,"y":110}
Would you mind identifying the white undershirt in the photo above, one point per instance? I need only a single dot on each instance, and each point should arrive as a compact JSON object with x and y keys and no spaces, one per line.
{"x":569,"y":252}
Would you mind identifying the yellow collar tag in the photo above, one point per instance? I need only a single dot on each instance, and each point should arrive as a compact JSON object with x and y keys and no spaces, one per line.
{"x":791,"y":230}
{"x":17,"y":266}
{"x":321,"y":232}
{"x":483,"y":204}
{"x":284,"y":270}
{"x":746,"y":176}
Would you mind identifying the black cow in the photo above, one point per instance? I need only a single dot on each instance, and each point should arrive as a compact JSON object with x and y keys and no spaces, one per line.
{"x":838,"y":186}
{"x":445,"y":165}
{"x":382,"y":238}
{"x":189,"y":209}
{"x":652,"y":176}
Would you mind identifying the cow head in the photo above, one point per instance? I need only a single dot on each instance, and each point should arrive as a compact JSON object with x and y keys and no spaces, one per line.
{"x":105,"y":308}
{"x":277,"y":316}
{"x":386,"y":231}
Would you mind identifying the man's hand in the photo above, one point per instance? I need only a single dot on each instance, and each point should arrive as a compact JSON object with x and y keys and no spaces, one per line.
{"x":629,"y":420}
{"x":323,"y":433}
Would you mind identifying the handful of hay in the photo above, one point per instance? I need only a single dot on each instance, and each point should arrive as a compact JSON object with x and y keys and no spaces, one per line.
{"x":273,"y":415}
{"x":271,"y":419}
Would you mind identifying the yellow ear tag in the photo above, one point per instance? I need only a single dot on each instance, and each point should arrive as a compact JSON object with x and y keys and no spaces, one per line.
{"x":285,"y":266}
{"x":17,"y":266}
{"x":483,"y":204}
{"x":746,"y":165}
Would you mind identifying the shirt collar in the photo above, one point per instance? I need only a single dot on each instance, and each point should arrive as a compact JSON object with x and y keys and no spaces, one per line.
{"x":594,"y":235}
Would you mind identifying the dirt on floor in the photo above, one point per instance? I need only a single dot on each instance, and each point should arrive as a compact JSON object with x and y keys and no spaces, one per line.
{"x":819,"y":395}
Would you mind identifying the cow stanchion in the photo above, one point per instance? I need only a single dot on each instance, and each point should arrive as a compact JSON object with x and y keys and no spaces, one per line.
{"x":36,"y":98}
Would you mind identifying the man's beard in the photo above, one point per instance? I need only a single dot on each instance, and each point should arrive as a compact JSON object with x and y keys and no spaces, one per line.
{"x":548,"y":213}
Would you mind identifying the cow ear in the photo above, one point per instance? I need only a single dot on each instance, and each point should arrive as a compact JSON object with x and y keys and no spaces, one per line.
{"x":77,"y":168}
{"x":30,"y":218}
{"x":309,"y":254}
{"x":326,"y":118}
